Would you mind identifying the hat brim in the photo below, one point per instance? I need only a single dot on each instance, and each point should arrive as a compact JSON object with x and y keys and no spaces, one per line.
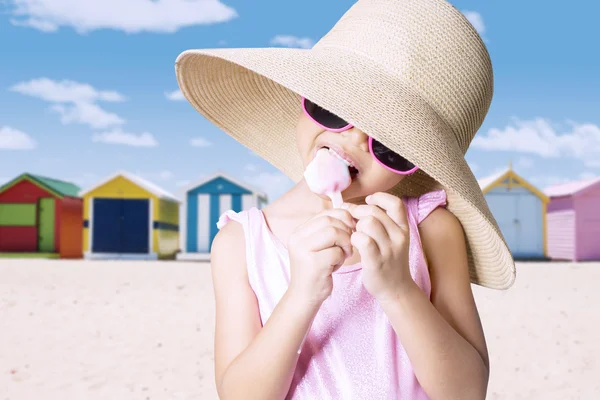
{"x":254,"y":96}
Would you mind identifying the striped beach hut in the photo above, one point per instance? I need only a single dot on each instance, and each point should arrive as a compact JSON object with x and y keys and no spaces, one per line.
{"x":574,"y":221}
{"x":40,"y":217}
{"x":128,"y":217}
{"x":520,"y":210}
{"x":204,"y":202}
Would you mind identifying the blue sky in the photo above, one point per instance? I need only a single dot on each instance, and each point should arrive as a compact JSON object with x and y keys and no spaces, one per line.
{"x":87,"y":87}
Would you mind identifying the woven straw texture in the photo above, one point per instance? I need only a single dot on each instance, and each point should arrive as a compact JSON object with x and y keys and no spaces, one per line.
{"x":417,"y":66}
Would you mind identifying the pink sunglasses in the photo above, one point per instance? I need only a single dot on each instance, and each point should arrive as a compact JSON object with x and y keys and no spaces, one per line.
{"x":384,"y":156}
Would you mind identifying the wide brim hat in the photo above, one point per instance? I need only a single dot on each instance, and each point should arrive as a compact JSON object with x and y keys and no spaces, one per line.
{"x":414,"y":75}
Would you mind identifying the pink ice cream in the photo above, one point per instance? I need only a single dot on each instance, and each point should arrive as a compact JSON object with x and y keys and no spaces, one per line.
{"x":327,"y":174}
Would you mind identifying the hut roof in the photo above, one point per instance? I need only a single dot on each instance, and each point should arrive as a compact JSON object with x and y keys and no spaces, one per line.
{"x":488,"y":183}
{"x":57,"y":187}
{"x":143,"y":183}
{"x":221,"y":174}
{"x":571,"y":188}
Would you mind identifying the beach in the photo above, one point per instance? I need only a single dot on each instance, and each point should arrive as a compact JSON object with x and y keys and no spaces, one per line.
{"x":90,"y":330}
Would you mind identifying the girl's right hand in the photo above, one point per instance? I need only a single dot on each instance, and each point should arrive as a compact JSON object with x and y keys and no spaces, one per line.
{"x":317,"y":248}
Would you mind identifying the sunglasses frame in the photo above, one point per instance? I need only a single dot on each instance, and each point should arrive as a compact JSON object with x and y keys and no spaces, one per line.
{"x":337,"y":130}
{"x":350,"y":126}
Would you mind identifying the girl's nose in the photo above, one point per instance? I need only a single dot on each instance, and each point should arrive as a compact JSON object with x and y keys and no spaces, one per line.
{"x":358,"y":138}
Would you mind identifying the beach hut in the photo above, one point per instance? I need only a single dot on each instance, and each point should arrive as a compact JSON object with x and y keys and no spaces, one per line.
{"x":574,"y":221}
{"x":128,"y":217}
{"x":520,"y":210}
{"x":40,"y":217}
{"x":204,"y":202}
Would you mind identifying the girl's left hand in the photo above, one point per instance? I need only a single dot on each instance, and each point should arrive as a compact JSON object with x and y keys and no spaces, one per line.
{"x":382,"y":238}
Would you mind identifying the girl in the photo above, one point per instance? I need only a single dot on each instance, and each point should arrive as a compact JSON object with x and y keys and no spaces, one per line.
{"x":373,"y":300}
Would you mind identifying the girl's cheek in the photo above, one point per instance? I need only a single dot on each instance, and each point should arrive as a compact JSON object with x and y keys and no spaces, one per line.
{"x":380,"y":179}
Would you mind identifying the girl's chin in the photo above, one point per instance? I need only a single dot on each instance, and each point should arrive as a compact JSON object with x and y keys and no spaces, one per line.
{"x":354,"y":193}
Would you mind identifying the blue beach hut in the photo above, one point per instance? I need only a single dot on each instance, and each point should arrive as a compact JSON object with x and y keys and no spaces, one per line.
{"x":520,"y":210}
{"x":204,"y":202}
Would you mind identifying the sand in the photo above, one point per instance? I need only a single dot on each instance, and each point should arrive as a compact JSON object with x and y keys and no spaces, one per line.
{"x":144,"y":330}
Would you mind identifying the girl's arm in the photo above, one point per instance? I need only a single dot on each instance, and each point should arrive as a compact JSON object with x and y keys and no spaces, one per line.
{"x":250,"y":362}
{"x":443,"y":337}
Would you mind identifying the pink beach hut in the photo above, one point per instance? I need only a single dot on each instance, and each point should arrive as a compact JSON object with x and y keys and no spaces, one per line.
{"x":574,"y":221}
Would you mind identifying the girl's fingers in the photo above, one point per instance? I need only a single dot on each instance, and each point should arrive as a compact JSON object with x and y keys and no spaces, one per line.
{"x":371,"y":226}
{"x":342,"y":215}
{"x":338,"y":218}
{"x":393,"y":206}
{"x":365,"y":211}
{"x":320,"y":225}
{"x":366,"y":246}
{"x":333,"y":256}
{"x":319,"y":222}
{"x":329,"y":237}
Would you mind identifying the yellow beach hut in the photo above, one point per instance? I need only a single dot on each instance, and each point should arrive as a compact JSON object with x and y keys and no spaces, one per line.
{"x":520,"y":210}
{"x":128,"y":217}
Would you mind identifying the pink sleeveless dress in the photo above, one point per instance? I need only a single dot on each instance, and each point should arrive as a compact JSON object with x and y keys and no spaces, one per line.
{"x":351,"y":351}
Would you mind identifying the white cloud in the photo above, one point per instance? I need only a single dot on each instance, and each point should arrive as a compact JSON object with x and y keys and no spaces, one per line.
{"x":251,"y":167}
{"x":539,"y":137}
{"x":165,"y":175}
{"x":129,"y":139}
{"x":200,"y":142}
{"x":87,"y":113}
{"x":75,"y":102}
{"x":476,"y":20}
{"x":84,"y":180}
{"x":535,"y":137}
{"x":14,"y":139}
{"x":588,"y":175}
{"x":545,"y":181}
{"x":525,"y":162}
{"x":292,"y":41}
{"x":495,"y":171}
{"x":50,"y":161}
{"x":182,"y":183}
{"x":131,"y":16}
{"x":40,"y":25}
{"x":274,"y":184}
{"x":175,"y":95}
{"x":593,"y":163}
{"x":65,"y":91}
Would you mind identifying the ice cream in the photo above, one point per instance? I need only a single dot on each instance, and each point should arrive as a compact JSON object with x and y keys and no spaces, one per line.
{"x":327,"y":174}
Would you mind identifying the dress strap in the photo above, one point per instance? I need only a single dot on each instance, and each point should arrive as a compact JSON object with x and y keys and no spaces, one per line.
{"x":243,"y":219}
{"x":429,"y":202}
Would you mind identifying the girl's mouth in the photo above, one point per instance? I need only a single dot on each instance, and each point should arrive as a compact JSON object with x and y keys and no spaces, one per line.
{"x":353,"y":172}
{"x":351,"y":168}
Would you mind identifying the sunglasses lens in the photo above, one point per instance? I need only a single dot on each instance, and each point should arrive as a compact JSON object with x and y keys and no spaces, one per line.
{"x":391,"y":159}
{"x":324,"y":117}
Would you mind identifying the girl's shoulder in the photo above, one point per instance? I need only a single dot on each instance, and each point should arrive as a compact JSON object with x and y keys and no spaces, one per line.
{"x":439,"y":229}
{"x":229,"y":236}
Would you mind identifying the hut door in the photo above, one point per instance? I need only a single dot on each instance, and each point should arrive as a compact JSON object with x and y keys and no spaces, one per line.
{"x":121,"y":226}
{"x":46,"y":218}
{"x":529,"y":215}
{"x":504,"y":208}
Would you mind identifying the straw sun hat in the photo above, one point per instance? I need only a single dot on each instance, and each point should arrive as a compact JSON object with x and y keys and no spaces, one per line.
{"x":413,"y":74}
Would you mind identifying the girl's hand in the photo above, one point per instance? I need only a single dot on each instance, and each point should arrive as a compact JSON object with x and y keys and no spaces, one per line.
{"x":317,"y":248}
{"x":382,"y":238}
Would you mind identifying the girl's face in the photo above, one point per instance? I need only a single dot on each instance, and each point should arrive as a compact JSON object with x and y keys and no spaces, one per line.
{"x":370,"y":176}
